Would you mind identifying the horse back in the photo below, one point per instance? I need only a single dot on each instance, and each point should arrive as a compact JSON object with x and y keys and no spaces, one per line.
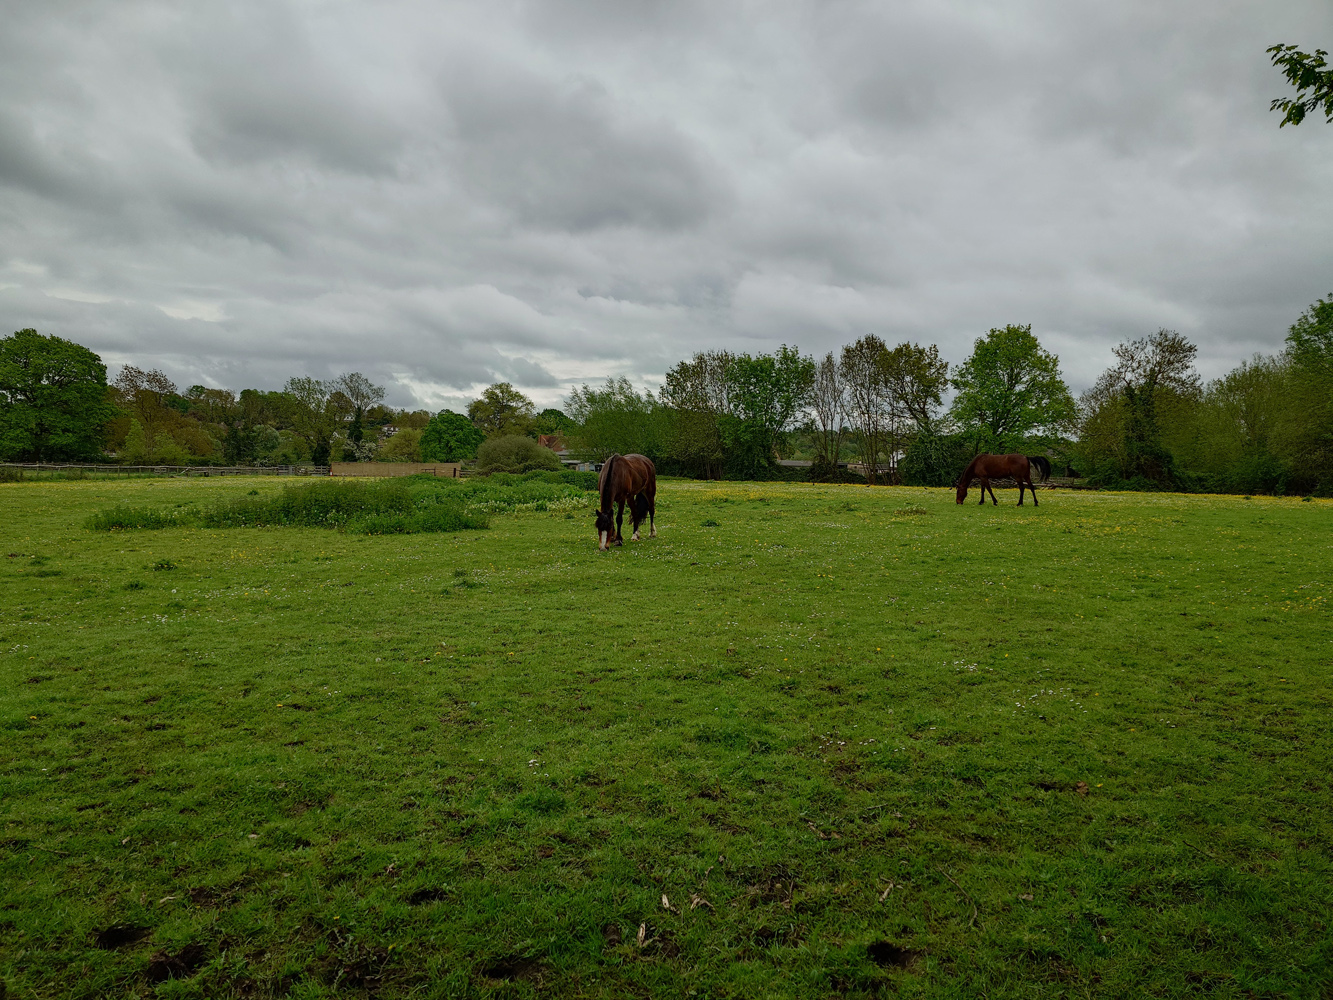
{"x":627,"y":476}
{"x":987,"y":466}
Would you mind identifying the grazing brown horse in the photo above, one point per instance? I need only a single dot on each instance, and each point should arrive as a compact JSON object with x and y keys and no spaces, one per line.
{"x":626,"y":477}
{"x":1019,"y":467}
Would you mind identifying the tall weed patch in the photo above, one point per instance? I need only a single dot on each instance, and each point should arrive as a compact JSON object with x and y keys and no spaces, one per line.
{"x":393,"y":507}
{"x":123,"y":517}
{"x":504,"y":493}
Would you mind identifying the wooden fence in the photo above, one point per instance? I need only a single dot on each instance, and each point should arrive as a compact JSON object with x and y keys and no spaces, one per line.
{"x":62,"y":468}
{"x":447,"y":470}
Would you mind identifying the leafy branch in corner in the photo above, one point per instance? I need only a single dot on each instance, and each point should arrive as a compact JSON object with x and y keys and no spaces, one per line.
{"x":1304,"y":72}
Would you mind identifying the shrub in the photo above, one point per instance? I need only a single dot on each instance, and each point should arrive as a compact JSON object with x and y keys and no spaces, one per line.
{"x":515,"y":453}
{"x":405,"y":446}
{"x":934,"y":460}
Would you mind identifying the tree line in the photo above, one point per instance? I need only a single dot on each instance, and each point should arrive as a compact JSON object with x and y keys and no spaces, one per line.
{"x":868,"y":412}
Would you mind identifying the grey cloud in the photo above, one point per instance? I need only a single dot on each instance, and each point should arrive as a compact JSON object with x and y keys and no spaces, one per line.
{"x":260,"y":90}
{"x":564,"y":154}
{"x":25,"y":164}
{"x":553,"y":192}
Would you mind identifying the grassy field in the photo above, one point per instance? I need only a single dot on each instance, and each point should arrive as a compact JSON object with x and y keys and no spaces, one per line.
{"x":809,"y":742}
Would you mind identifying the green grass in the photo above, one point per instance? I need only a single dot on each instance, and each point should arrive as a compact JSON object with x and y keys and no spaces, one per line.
{"x":1075,"y":750}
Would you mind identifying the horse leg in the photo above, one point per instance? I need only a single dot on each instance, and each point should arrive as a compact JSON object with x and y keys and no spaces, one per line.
{"x":634,"y":517}
{"x":652,"y":512}
{"x":1033,"y":488}
{"x":982,"y":501}
{"x":620,"y":520}
{"x":992,"y":494}
{"x":1021,"y":488}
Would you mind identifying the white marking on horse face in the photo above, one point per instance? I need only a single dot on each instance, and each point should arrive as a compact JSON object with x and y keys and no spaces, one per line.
{"x":603,"y":545}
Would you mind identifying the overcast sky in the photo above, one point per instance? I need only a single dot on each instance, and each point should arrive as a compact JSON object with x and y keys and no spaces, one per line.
{"x":442,"y":195}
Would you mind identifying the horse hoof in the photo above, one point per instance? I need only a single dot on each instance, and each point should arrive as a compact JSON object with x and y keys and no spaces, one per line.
{"x":634,"y":537}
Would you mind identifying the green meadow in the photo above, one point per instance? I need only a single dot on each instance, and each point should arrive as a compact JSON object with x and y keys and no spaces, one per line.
{"x":810,"y":741}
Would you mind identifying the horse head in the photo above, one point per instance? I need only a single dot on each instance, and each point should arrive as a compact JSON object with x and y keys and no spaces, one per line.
{"x":965,"y":481}
{"x":606,"y":528}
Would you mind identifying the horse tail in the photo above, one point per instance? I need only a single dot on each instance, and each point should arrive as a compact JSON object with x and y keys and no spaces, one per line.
{"x":640,"y":507}
{"x":1042,"y":464}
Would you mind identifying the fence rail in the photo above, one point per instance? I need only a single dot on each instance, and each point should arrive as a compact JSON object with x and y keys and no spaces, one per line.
{"x":170,"y":470}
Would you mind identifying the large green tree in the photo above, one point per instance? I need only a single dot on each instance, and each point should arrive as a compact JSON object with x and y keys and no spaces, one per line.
{"x":615,"y":418}
{"x":1310,"y":340}
{"x":1010,"y":387}
{"x":1310,"y":347}
{"x":553,"y":421}
{"x":697,"y":393}
{"x":734,"y":411}
{"x":1312,"y":78}
{"x":53,"y":399}
{"x":362,"y":394}
{"x":869,"y":403}
{"x":828,"y":405}
{"x":916,"y":378}
{"x":1148,"y":374}
{"x":318,"y":409}
{"x":503,"y":410}
{"x":449,"y":437}
{"x":766,"y":392}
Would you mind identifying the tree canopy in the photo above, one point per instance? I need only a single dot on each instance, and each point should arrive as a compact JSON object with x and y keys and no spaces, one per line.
{"x":614,"y":418}
{"x":916,"y":378}
{"x":696,"y":391}
{"x":1310,"y":339}
{"x":737,"y":407}
{"x":553,"y":421}
{"x":53,"y":399}
{"x":503,"y":410}
{"x":449,"y":437}
{"x":1125,"y":403}
{"x":767,"y":392}
{"x":317,"y":409}
{"x":1010,"y":387}
{"x":1305,"y":72}
{"x":828,"y":404}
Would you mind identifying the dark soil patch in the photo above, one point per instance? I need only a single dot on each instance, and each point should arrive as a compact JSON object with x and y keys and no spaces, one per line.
{"x":182,"y":965}
{"x":513,"y":967}
{"x":119,"y":935}
{"x":888,"y":955}
{"x":428,"y":895}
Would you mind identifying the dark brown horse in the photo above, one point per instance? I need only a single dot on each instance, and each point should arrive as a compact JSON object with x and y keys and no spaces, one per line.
{"x":626,"y":477}
{"x":1018,"y":467}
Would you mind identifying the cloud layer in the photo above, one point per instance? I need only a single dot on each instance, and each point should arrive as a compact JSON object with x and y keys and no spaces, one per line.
{"x":441,"y":195}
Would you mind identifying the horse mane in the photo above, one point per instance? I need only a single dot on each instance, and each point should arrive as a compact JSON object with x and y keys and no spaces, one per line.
{"x":966,"y":477}
{"x":607,"y":486}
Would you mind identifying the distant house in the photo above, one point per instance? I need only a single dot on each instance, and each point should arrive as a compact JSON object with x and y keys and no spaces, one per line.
{"x":556,"y":442}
